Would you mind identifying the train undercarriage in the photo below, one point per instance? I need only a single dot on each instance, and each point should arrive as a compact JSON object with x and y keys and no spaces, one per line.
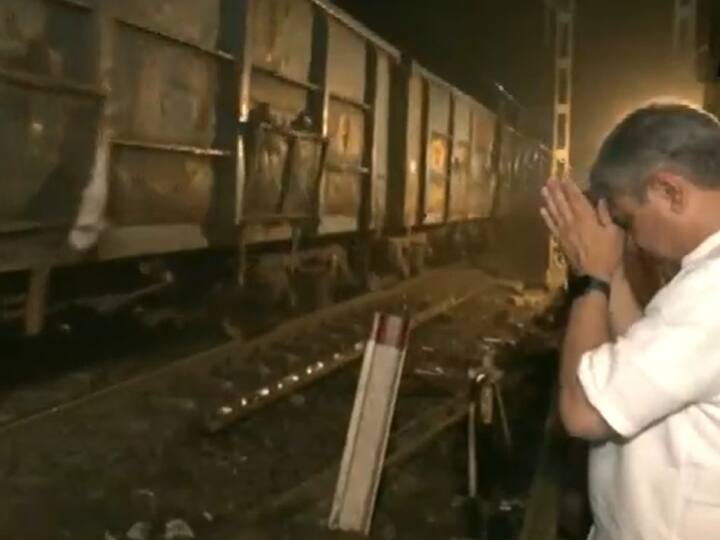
{"x":227,"y":287}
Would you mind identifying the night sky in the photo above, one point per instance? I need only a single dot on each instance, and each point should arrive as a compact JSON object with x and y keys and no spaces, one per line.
{"x":622,"y":52}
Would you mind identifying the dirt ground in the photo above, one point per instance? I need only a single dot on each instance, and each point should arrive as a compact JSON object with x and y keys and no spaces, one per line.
{"x":128,"y":468}
{"x":427,"y":497}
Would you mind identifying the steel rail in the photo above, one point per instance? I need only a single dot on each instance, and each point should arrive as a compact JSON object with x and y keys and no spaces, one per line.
{"x":248,"y":404}
{"x":235,"y":348}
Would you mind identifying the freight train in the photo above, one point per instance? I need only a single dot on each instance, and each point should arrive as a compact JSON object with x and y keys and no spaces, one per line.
{"x":147,"y":144}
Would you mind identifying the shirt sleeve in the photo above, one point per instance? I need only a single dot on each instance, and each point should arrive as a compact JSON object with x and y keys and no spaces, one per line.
{"x":667,"y":361}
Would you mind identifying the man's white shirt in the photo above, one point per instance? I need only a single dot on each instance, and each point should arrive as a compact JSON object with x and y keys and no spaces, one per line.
{"x":658,"y":387}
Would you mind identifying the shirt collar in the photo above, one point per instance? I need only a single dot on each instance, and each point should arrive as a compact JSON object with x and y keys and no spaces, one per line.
{"x":706,"y":247}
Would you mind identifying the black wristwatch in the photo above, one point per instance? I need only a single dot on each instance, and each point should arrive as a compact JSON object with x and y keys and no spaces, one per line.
{"x":583,"y":284}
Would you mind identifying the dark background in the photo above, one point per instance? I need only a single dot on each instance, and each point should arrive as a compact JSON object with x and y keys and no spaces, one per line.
{"x":622,"y":52}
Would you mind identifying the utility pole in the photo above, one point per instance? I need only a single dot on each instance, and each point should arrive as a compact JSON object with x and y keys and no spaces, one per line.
{"x":564,"y":17}
{"x":541,"y":512}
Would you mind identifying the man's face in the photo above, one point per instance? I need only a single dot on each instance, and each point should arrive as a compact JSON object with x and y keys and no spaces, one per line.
{"x":650,"y":222}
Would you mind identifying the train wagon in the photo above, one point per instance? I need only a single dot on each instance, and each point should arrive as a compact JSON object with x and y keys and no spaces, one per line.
{"x":442,"y":144}
{"x":153,"y":144}
{"x":519,"y":235}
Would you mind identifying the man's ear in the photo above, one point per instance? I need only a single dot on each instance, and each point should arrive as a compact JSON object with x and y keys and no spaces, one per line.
{"x":670,"y":188}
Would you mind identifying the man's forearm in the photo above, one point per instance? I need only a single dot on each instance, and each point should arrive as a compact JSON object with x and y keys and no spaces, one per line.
{"x":624,"y":309}
{"x":588,"y":328}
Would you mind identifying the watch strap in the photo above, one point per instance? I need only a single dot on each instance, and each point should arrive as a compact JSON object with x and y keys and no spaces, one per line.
{"x":585,"y":283}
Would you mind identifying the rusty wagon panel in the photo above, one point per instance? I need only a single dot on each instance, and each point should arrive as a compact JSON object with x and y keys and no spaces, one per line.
{"x":346,"y":168}
{"x":460,"y":162}
{"x":49,"y":107}
{"x":360,"y":92}
{"x":157,"y":104}
{"x":404,"y":151}
{"x":439,"y":143}
{"x":143,"y":165}
{"x":504,"y":193}
{"x":282,"y":37}
{"x":319,"y":98}
{"x":189,"y":20}
{"x":284,"y":141}
{"x":415,"y":100}
{"x":432,"y":151}
{"x":483,"y":177}
{"x":381,"y":140}
{"x":169,"y":160}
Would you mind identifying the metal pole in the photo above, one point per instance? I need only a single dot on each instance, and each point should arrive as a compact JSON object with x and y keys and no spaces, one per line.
{"x":472,"y":449}
{"x":562,"y":118}
{"x":503,"y":418}
{"x":541,"y":512}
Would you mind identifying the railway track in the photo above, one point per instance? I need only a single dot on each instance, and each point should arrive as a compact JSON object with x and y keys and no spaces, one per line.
{"x":239,"y":408}
{"x":167,"y":433}
{"x":405,"y":441}
{"x":422,"y":417}
{"x":107,"y":381}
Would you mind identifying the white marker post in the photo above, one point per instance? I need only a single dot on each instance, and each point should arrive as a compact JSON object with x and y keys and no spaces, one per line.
{"x":367,"y":436}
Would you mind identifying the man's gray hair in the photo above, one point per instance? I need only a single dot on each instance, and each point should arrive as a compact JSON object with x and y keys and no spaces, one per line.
{"x":672,"y":136}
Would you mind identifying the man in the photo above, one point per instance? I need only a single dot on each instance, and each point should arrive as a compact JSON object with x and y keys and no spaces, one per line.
{"x":644,"y":386}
